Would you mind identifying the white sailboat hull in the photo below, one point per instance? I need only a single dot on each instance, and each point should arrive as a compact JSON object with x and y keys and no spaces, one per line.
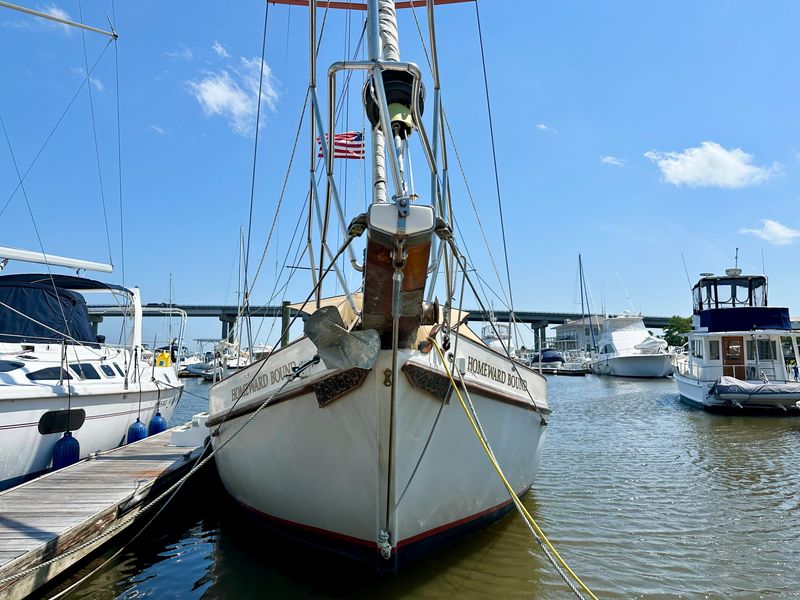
{"x":342,"y":472}
{"x":26,"y":448}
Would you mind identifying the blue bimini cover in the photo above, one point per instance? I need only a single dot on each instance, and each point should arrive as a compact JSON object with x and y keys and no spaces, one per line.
{"x":42,"y":313}
{"x":745,"y":318}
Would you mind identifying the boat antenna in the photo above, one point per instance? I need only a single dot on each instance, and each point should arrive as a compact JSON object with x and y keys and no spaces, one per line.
{"x":736,"y":260}
{"x":763,"y":267}
{"x":685,"y":270}
{"x":624,"y":289}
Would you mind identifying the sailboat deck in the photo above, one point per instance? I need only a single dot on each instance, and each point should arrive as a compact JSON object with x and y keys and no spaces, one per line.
{"x":62,"y":510}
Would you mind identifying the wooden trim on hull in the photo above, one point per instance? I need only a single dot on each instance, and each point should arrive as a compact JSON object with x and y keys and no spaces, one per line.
{"x":437,"y":384}
{"x":327,"y":387}
{"x":327,"y":390}
{"x":366,"y":551}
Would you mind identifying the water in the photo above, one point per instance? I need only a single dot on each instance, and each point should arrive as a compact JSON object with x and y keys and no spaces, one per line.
{"x":643,"y":496}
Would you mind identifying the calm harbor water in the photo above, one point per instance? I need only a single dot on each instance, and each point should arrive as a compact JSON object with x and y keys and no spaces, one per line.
{"x":643,"y":496}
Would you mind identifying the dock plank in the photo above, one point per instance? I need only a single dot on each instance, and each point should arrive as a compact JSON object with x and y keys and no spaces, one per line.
{"x":43,"y":518}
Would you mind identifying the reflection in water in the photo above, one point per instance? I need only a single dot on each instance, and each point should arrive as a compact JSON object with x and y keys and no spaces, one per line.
{"x":644,"y":497}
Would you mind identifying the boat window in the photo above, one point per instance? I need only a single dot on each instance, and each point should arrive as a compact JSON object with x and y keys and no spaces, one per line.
{"x":9,"y":365}
{"x":713,"y":349}
{"x":108,"y":370}
{"x":767,"y":350}
{"x":759,"y":294}
{"x":49,"y":373}
{"x":697,"y":348}
{"x":85,"y":371}
{"x":707,"y":295}
{"x":724,"y":294}
{"x":116,"y":366}
{"x":58,"y":421}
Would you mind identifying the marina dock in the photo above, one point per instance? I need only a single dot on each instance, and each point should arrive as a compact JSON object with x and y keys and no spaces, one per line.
{"x":69,"y":508}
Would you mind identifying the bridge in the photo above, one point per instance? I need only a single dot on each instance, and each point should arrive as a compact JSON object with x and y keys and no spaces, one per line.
{"x":228,"y":314}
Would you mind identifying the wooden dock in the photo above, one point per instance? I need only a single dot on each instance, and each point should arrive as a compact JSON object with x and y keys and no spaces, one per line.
{"x":45,"y":517}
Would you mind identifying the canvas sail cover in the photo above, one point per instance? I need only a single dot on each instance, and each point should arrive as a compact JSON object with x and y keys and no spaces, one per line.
{"x":42,"y":313}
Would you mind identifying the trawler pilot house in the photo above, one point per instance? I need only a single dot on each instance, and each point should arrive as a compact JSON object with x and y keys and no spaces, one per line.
{"x":713,"y":296}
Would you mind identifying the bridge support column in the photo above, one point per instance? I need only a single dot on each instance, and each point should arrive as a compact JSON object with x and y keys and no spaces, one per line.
{"x":95,"y":320}
{"x":539,"y":334}
{"x":285,"y":318}
{"x":228,"y":326}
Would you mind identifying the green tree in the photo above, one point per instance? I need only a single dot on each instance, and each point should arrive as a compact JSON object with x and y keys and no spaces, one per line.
{"x":677,"y":327}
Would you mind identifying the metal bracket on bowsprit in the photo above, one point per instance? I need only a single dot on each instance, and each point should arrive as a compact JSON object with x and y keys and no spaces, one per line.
{"x":403,"y":202}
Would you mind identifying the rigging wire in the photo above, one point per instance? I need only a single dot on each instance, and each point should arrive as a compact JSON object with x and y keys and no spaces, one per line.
{"x":481,"y":281}
{"x":294,"y":149}
{"x":53,"y":130}
{"x":494,"y":156}
{"x":475,"y":210}
{"x":94,"y":135}
{"x":246,"y":297}
{"x":35,"y":227}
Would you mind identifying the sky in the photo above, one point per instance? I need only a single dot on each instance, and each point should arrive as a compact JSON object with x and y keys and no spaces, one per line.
{"x":639,"y":135}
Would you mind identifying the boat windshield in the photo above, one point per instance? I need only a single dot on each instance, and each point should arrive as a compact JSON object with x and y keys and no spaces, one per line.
{"x":730,"y":292}
{"x":488,"y":332}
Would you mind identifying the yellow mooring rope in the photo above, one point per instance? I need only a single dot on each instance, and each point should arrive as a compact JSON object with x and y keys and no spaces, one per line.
{"x":520,"y":507}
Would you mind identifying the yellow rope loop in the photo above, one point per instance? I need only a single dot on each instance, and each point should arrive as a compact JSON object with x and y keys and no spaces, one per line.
{"x":521,"y":507}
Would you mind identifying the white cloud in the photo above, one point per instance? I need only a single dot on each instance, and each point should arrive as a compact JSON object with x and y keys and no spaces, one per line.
{"x":220,"y":49}
{"x":612,"y":160}
{"x":57,"y":11}
{"x":775,"y":233}
{"x":96,"y":83}
{"x":543,"y":127}
{"x":182,"y":52}
{"x":234,"y":93}
{"x":158,"y":130}
{"x":711,"y":165}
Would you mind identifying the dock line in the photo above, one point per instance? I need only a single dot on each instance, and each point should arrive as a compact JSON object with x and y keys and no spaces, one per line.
{"x":534,"y":528}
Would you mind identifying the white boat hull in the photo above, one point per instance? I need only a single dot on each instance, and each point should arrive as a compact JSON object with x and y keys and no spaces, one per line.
{"x":342,"y":472}
{"x":702,"y":395}
{"x":110,"y":409}
{"x":636,"y":365}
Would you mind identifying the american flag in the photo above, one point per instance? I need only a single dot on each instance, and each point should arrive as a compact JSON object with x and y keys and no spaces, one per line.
{"x":346,"y":145}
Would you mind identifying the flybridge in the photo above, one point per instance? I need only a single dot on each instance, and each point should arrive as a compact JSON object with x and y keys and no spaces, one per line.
{"x":732,"y":290}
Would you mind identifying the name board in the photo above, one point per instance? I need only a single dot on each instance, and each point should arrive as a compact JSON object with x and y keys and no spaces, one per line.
{"x":264,"y":380}
{"x":484,"y":369}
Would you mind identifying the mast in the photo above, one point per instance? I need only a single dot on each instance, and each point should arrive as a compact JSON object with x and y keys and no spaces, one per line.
{"x":583,"y":314}
{"x":169,"y":319}
{"x":312,"y":167}
{"x":585,"y":291}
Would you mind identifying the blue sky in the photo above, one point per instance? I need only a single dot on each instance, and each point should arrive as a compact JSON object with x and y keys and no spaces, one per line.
{"x":630,"y":132}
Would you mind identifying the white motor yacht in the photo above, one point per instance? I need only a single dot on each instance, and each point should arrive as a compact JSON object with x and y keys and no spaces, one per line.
{"x":627,"y":349}
{"x":735,"y":357}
